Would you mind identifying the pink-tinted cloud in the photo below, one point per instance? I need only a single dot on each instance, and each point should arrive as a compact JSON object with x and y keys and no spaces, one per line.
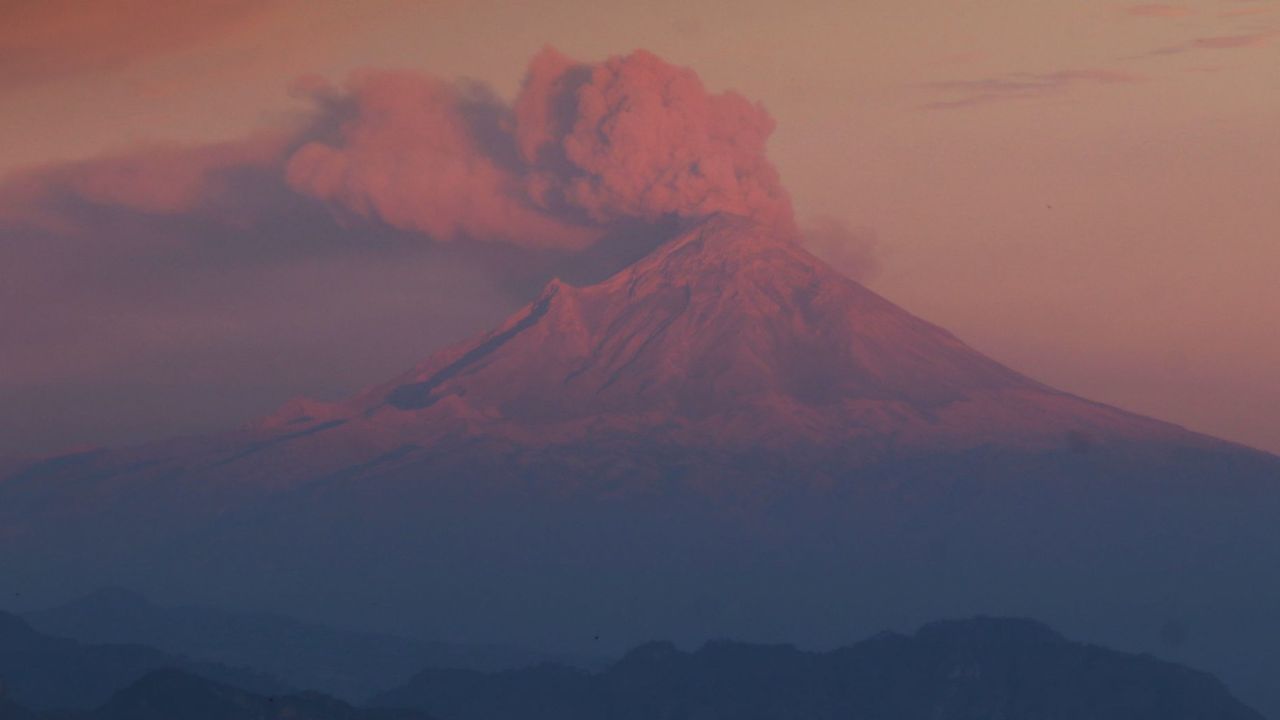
{"x":171,"y":180}
{"x":1247,"y":11}
{"x":585,"y":147}
{"x":585,"y":150}
{"x":412,"y":155}
{"x":156,"y":180}
{"x":546,"y":108}
{"x":1021,"y":86}
{"x":639,"y":138}
{"x":1229,"y":42}
{"x":1222,"y":42}
{"x":1158,"y":10}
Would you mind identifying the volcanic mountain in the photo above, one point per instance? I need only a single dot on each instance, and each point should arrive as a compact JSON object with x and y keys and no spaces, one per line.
{"x":727,"y":438}
{"x":724,"y":336}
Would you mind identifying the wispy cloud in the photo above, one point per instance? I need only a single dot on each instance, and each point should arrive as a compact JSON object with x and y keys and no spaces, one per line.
{"x":1221,"y":42}
{"x":1247,"y":11}
{"x":853,"y":250}
{"x":1021,"y":86}
{"x":1157,"y":10}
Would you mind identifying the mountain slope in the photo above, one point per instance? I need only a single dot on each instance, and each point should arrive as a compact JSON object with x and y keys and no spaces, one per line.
{"x":947,"y":671}
{"x":725,"y":335}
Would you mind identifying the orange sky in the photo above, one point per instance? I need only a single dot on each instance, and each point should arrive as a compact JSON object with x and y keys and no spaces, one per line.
{"x":1085,"y":190}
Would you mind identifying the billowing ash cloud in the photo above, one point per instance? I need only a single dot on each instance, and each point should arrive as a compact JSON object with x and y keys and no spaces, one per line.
{"x":585,"y":149}
{"x":426,"y":155}
{"x":637,"y":137}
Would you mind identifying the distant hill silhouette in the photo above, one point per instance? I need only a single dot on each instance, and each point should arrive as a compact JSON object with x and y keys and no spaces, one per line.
{"x":176,"y":695}
{"x":346,"y":664}
{"x":962,"y":670}
{"x":41,"y":672}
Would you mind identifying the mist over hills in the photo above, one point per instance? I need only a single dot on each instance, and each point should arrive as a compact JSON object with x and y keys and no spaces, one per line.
{"x":349,"y":665}
{"x":981,"y":668}
{"x":950,"y":670}
{"x":44,"y":672}
{"x":725,"y":439}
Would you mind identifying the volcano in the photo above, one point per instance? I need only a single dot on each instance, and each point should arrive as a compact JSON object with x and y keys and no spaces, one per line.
{"x":724,"y":336}
{"x":728,"y":438}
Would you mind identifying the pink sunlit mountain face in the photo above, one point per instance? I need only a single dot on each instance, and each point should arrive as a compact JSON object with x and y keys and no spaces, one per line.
{"x":724,"y":336}
{"x":657,"y":455}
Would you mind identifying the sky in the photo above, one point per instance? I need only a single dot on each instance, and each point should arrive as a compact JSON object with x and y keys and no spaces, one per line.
{"x":205,"y":211}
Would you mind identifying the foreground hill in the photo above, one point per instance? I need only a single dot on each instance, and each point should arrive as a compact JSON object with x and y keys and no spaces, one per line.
{"x":726,"y":439}
{"x":947,"y":671}
{"x":42,"y":672}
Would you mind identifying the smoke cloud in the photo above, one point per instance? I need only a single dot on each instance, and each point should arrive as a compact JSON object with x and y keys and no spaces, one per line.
{"x":853,"y":251}
{"x":584,"y":150}
{"x":636,"y":137}
{"x":421,"y":154}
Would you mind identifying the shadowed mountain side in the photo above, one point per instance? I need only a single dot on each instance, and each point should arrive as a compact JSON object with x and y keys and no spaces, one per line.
{"x":43,"y":672}
{"x":983,"y":668}
{"x":12,"y":711}
{"x":350,"y":665}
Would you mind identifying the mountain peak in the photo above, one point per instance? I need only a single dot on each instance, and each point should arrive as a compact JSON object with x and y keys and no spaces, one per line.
{"x":726,"y":234}
{"x":716,"y":250}
{"x":728,"y":332}
{"x":724,"y":242}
